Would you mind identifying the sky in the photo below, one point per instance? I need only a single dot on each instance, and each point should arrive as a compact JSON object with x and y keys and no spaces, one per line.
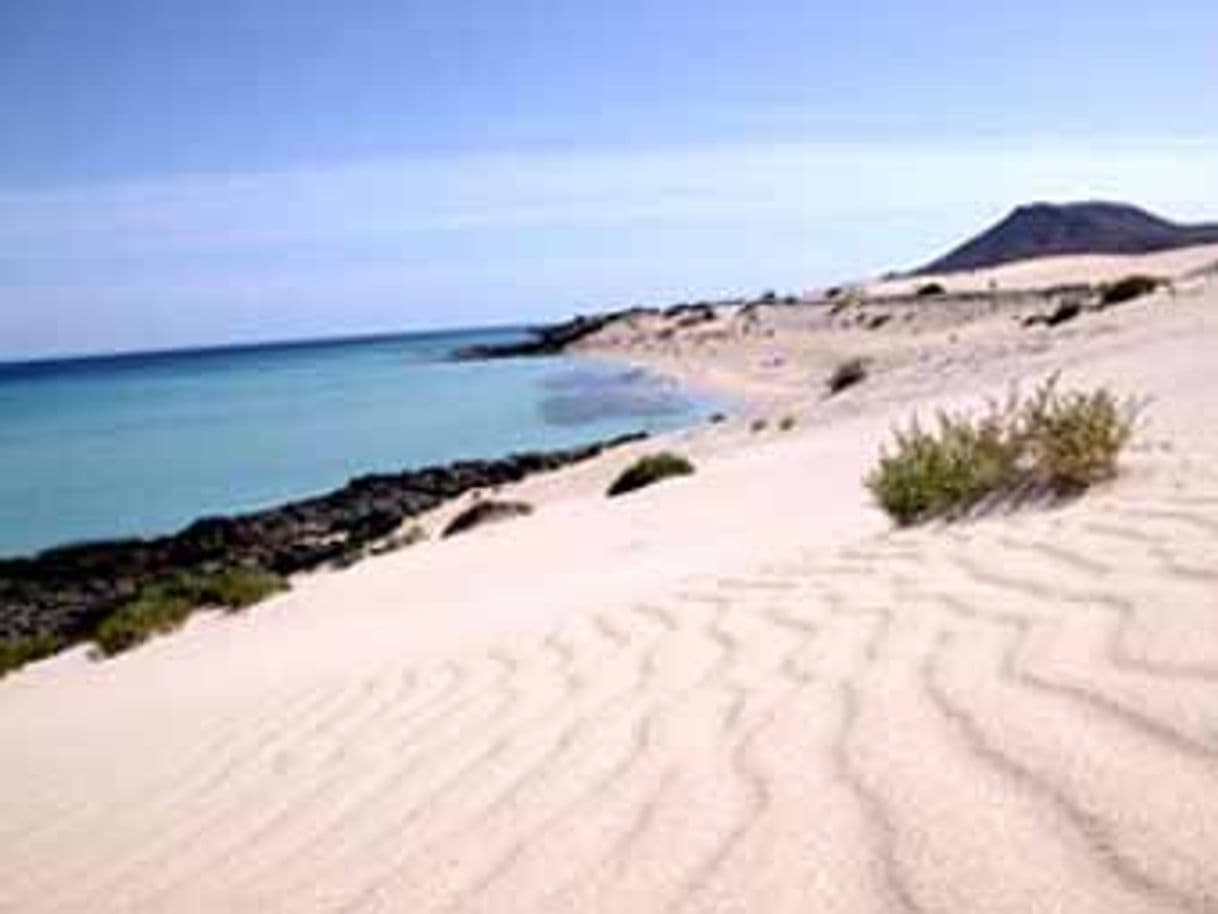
{"x":178,"y":173}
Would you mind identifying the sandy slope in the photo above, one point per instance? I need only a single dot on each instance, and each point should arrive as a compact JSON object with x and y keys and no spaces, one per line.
{"x":738,"y":691}
{"x":1044,"y":272}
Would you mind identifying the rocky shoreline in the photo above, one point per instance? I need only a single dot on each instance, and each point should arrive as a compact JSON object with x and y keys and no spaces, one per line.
{"x":550,"y":339}
{"x":65,"y":592}
{"x":555,"y":339}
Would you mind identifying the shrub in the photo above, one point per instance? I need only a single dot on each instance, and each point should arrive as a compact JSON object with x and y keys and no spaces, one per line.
{"x":484,"y":512}
{"x":17,"y":652}
{"x":758,"y":425}
{"x":165,"y":604}
{"x":1127,"y":289}
{"x":648,"y":470}
{"x":937,"y":474}
{"x":237,"y":588}
{"x":844,"y":301}
{"x":931,"y":288}
{"x":786,"y":423}
{"x":154,"y":612}
{"x":1072,"y":440}
{"x":847,"y":374}
{"x":1052,"y":443}
{"x":231,"y":588}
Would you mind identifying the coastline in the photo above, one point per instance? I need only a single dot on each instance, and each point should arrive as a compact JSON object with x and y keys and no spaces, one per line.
{"x":714,"y":693}
{"x":142,"y":445}
{"x":66,"y":591}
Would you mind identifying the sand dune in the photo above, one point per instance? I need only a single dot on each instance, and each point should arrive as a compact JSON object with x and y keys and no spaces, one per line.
{"x":740,"y":691}
{"x":1046,"y":272}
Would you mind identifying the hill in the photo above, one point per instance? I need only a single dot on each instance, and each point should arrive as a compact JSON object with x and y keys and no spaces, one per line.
{"x":1046,"y":229}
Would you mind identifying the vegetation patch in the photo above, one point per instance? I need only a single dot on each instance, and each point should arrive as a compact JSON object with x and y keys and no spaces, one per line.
{"x":1128,"y":288}
{"x":786,"y":423}
{"x":153,"y":612}
{"x":408,"y":537}
{"x":484,"y":512}
{"x":1051,"y":444}
{"x":17,"y":652}
{"x":847,"y":374}
{"x":238,"y":588}
{"x":164,"y":605}
{"x":648,"y":470}
{"x":926,"y":290}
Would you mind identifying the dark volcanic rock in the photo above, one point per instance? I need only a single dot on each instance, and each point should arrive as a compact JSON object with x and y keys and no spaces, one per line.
{"x":548,"y":340}
{"x":68,"y":590}
{"x":1045,"y":229}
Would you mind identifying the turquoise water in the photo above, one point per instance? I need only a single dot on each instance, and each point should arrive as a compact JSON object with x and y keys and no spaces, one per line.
{"x":143,"y":444}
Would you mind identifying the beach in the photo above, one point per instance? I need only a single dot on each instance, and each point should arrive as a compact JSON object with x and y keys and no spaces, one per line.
{"x":740,"y":690}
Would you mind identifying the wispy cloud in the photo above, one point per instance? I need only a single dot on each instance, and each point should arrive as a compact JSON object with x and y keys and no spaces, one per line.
{"x":587,"y":227}
{"x":592,"y":190}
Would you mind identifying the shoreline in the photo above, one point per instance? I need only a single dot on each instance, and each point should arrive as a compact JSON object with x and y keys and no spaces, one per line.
{"x":285,"y":438}
{"x":684,"y":346}
{"x":741,"y":689}
{"x":65,"y":591}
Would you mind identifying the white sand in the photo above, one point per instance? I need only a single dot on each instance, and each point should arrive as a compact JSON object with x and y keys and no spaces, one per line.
{"x":739,"y":691}
{"x":1044,"y":272}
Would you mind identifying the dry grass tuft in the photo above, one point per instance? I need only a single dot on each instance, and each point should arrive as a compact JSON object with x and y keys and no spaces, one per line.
{"x":1051,"y":444}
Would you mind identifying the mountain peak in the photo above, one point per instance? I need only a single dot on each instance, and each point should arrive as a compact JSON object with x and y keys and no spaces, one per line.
{"x":1043,"y":229}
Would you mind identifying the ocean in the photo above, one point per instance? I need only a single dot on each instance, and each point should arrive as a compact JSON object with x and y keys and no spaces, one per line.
{"x":142,"y":444}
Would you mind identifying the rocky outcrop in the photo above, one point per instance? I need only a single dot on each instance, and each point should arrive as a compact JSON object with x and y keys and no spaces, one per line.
{"x":67,"y":591}
{"x":548,"y":340}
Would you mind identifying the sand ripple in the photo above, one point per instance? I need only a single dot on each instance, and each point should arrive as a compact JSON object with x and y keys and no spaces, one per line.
{"x":1018,"y":715}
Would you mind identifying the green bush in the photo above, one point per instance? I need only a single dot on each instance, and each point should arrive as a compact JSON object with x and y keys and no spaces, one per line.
{"x":648,"y":470}
{"x":1072,"y":440}
{"x":164,"y":605}
{"x":935,"y":474}
{"x":1128,"y":288}
{"x":230,"y":588}
{"x":17,"y":652}
{"x":1052,"y":443}
{"x":153,"y":612}
{"x":237,"y":588}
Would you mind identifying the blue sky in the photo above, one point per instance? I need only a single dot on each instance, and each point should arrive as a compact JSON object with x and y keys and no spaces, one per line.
{"x":180,"y":173}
